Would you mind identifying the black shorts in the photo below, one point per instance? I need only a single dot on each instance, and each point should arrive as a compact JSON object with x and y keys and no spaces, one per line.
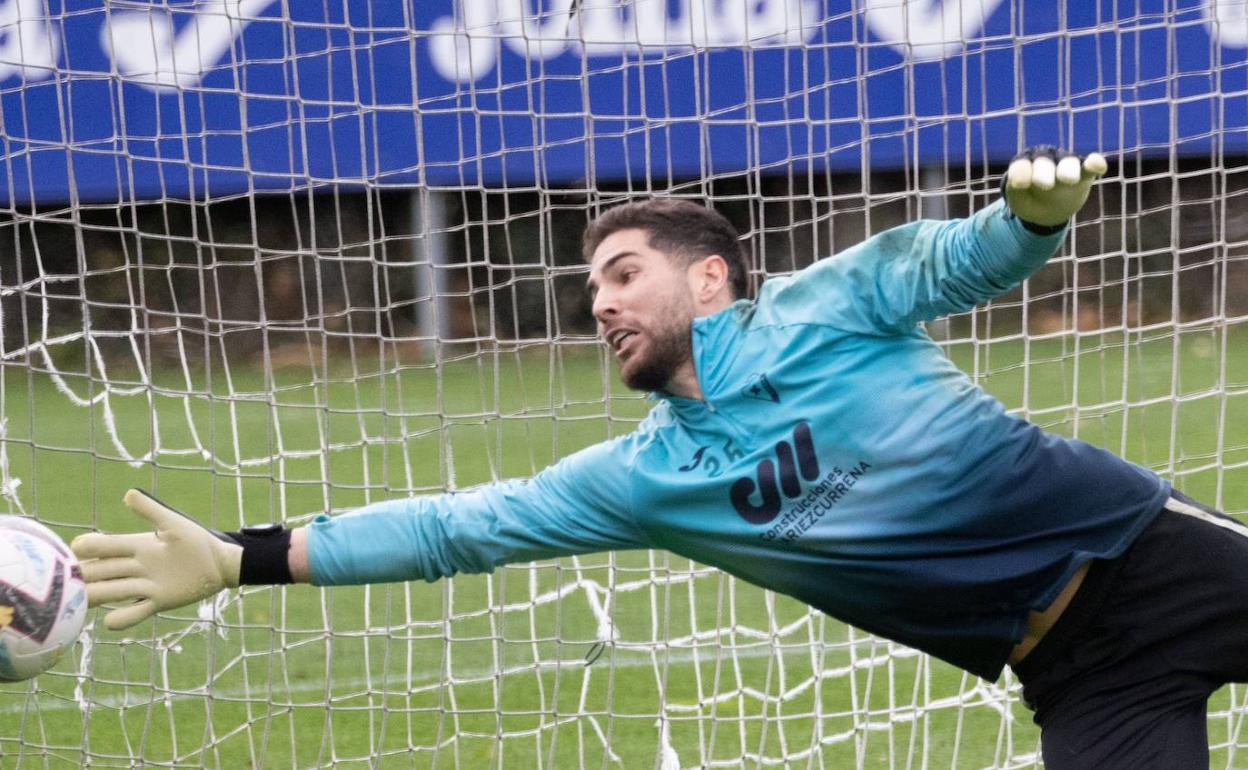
{"x":1123,"y":678}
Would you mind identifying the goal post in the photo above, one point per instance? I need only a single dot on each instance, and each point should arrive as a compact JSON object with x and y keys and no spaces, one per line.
{"x":271,"y":260}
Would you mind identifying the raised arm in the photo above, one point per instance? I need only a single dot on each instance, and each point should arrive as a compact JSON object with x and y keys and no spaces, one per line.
{"x":579,"y":505}
{"x":927,"y":269}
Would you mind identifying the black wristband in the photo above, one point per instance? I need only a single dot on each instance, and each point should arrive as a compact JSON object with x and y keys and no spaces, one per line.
{"x":1042,"y":229}
{"x":266,"y":555}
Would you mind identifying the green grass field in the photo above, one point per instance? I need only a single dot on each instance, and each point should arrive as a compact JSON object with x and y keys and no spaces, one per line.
{"x":491,"y":670}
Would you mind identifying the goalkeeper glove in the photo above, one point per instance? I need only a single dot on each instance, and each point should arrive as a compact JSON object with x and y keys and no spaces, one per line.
{"x":180,"y":563}
{"x":1045,"y":191}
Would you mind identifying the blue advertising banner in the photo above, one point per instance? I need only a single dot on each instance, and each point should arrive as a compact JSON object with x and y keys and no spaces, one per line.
{"x":121,"y":101}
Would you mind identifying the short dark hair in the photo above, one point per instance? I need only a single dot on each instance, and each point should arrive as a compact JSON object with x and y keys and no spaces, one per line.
{"x":683,"y":230}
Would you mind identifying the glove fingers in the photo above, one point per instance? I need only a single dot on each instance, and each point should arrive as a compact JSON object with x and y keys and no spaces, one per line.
{"x":1018,"y":175}
{"x":127,"y":616}
{"x":1094,"y":166}
{"x":111,"y":569}
{"x":1069,"y":170}
{"x":1043,"y":173}
{"x":161,"y":516}
{"x":96,"y":545}
{"x":113,"y":591}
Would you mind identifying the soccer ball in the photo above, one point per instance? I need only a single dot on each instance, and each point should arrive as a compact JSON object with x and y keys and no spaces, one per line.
{"x":43,"y":598}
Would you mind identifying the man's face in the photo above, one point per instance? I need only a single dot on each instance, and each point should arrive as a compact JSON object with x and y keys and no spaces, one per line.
{"x":644,"y":308}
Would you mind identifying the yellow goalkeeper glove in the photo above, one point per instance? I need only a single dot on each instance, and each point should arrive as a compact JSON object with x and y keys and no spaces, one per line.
{"x":178,"y":564}
{"x":1044,"y":187}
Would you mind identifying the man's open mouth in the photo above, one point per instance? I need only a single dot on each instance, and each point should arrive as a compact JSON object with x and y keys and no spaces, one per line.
{"x":619,"y":338}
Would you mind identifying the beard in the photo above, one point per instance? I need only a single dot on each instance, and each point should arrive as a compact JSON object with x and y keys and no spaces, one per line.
{"x":670,"y":345}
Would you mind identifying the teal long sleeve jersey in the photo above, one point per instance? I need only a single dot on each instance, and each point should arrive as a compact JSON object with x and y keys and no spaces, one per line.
{"x":837,"y":456}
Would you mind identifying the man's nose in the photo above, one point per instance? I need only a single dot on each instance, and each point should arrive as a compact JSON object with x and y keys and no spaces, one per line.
{"x":604,"y":306}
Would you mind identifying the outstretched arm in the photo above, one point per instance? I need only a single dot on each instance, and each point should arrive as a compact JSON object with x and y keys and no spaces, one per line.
{"x":579,"y":505}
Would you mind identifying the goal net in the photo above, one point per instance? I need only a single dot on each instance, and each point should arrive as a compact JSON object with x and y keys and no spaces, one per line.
{"x":269,"y":260}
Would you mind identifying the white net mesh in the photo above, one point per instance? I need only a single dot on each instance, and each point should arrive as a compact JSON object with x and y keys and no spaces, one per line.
{"x":271,"y":260}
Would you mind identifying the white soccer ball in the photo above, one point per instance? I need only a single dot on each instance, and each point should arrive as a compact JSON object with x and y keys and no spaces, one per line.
{"x":43,"y":598}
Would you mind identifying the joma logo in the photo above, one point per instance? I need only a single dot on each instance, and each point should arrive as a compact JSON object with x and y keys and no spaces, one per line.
{"x":792,"y":459}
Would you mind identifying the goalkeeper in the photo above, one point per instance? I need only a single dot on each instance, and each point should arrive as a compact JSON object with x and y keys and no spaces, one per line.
{"x":815,"y":441}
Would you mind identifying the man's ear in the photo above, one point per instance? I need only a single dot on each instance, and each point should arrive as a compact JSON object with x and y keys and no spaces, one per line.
{"x":709,"y":278}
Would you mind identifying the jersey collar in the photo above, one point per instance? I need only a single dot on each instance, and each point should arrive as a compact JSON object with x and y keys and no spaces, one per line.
{"x":714,"y":349}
